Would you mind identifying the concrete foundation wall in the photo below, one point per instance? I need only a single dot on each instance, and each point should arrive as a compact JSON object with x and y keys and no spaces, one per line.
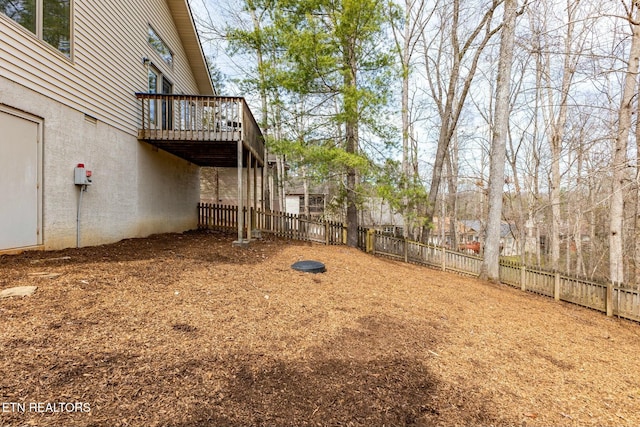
{"x":137,"y":190}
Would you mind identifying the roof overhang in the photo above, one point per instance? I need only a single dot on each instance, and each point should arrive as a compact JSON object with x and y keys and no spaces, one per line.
{"x":183,"y":19}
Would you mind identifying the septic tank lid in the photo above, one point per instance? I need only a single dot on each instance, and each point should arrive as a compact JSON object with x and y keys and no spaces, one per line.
{"x":309,"y":266}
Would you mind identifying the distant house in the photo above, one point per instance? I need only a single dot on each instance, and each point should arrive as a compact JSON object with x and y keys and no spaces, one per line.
{"x":376,"y":213}
{"x":509,"y":242}
{"x":123,"y":89}
{"x":318,"y":197}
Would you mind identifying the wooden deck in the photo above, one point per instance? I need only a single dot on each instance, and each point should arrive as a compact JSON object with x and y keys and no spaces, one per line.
{"x":204,"y":130}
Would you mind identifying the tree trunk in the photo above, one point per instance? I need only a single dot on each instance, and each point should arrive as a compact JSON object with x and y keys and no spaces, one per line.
{"x":455,"y":94}
{"x":558,"y":124}
{"x":406,"y":167}
{"x":491,"y":261}
{"x":636,"y":230}
{"x":264,"y":104}
{"x":305,"y":192}
{"x":351,"y":137}
{"x":452,"y":184}
{"x":280,"y":168}
{"x":569,"y":238}
{"x":578,"y":215}
{"x":616,"y":268}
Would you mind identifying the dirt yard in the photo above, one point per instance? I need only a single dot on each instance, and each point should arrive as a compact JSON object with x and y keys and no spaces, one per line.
{"x":186,"y":330}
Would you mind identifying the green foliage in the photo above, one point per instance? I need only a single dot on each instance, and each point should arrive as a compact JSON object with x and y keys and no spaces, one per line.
{"x":325,"y":70}
{"x":402,"y":195}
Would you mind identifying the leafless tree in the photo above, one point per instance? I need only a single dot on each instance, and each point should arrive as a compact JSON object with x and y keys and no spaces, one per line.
{"x":416,"y":15}
{"x":452,"y":52}
{"x":491,"y":261}
{"x":619,"y":157}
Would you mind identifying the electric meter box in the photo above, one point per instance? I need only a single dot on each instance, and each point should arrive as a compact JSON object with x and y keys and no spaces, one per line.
{"x":81,"y":176}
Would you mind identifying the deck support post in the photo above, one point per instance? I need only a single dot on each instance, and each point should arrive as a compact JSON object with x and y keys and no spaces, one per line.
{"x":249,"y":206}
{"x":240,"y":222}
{"x":254,"y":217}
{"x":262,"y":181}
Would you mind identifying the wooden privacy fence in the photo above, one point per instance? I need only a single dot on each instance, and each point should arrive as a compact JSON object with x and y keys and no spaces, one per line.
{"x":225,"y":217}
{"x":604,"y":297}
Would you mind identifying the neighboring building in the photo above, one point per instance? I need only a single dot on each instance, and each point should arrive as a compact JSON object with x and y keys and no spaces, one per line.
{"x":295,"y":198}
{"x":377,"y":214}
{"x":442,"y":235}
{"x":219,"y":185}
{"x":86,"y":82}
{"x":509,"y":242}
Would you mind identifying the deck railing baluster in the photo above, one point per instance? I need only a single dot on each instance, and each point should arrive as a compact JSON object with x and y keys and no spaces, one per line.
{"x":174,"y":118}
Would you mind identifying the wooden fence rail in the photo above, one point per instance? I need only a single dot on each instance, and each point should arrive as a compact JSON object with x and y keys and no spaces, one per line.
{"x":281,"y":224}
{"x":604,"y":297}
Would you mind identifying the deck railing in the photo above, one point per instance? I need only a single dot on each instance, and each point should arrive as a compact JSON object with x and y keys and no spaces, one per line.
{"x":613,"y":300}
{"x":169,"y":117}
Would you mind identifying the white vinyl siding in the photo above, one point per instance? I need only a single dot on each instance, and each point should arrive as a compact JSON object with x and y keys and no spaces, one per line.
{"x":109,"y":42}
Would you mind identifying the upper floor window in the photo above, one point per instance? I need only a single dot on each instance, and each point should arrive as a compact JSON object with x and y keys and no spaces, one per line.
{"x":50,"y":20}
{"x":159,"y":45}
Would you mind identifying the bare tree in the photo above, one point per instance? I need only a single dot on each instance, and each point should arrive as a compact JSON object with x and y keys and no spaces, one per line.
{"x":414,"y":21}
{"x":491,"y":261}
{"x":450,"y":77}
{"x":619,"y":158}
{"x":556,"y":117}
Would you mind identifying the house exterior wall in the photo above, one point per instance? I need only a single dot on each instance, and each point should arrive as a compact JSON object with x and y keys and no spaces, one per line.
{"x":292,"y":204}
{"x":109,"y":41}
{"x":220,"y":186}
{"x":90,"y":115}
{"x":137,"y":190}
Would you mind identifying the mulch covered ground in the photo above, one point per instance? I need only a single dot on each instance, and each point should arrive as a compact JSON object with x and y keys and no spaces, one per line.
{"x":186,"y":330}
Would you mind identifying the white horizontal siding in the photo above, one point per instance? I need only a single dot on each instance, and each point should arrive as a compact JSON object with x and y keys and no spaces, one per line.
{"x":109,"y":42}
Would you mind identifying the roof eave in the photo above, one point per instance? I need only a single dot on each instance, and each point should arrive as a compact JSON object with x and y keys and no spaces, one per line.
{"x":188,"y":33}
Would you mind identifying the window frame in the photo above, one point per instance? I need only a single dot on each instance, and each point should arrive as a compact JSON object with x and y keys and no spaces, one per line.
{"x":160,"y":111}
{"x":39,"y":28}
{"x":151,"y":31}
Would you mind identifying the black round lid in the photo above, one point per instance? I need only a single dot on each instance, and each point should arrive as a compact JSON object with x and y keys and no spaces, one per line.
{"x":309,"y":266}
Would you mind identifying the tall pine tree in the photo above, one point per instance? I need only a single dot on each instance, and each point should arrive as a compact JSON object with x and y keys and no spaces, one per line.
{"x":335,"y":53}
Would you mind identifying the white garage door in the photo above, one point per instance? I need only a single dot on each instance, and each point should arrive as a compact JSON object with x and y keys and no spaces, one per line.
{"x":19,"y":181}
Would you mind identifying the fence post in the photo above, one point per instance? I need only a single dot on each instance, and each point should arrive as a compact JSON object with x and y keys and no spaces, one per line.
{"x":609,"y":299}
{"x":406,"y":250}
{"x":213,"y":215}
{"x":523,"y":278}
{"x":373,"y":242}
{"x":326,"y":232}
{"x":556,"y":286}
